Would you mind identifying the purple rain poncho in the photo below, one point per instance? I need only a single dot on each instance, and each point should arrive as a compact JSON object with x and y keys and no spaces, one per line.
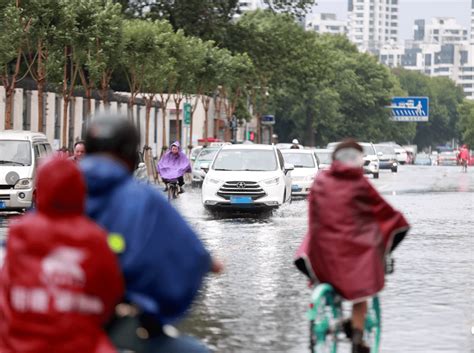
{"x":173,"y":166}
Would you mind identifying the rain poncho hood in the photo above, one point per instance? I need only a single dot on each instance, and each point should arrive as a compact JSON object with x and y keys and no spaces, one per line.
{"x":162,"y":259}
{"x":172,"y":166}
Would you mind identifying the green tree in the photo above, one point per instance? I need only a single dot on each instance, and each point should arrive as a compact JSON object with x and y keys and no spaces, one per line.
{"x":103,"y":48}
{"x":42,"y":19}
{"x":156,"y":80}
{"x":466,"y":122}
{"x":11,"y":39}
{"x":295,"y":7}
{"x":140,"y":49}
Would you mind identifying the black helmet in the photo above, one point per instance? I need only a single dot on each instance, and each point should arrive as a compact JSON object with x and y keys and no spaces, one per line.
{"x":114,"y":134}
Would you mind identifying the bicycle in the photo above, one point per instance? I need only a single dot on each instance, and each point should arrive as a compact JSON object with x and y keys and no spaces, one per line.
{"x":326,"y":318}
{"x":326,"y":321}
{"x":173,"y":190}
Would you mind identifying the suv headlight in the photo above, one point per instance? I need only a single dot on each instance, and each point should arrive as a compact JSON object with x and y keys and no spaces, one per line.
{"x":25,"y":183}
{"x":213,"y":181}
{"x":272,"y":181}
{"x":309,"y":178}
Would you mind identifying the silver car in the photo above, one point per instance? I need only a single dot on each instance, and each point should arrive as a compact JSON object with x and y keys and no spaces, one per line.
{"x":206,"y":155}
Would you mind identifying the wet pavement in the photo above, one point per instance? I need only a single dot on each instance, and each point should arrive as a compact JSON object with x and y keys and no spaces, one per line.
{"x":259,"y":303}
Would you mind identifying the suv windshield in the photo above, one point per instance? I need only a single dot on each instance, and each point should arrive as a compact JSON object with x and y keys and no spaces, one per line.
{"x":368,"y":150}
{"x":246,"y":159}
{"x":325,"y":157}
{"x":385,"y":149}
{"x":299,"y":160}
{"x":207,"y":154}
{"x":15,"y":152}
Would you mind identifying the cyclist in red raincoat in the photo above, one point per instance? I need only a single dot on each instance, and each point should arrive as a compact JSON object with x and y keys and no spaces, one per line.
{"x":60,"y":281}
{"x":351,"y":229}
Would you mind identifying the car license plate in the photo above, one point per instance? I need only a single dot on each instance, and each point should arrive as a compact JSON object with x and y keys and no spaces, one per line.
{"x":2,"y":205}
{"x":295,"y":188}
{"x":240,"y":200}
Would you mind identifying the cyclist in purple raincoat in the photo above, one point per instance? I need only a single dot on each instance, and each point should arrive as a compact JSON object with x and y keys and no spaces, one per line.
{"x":173,"y":165}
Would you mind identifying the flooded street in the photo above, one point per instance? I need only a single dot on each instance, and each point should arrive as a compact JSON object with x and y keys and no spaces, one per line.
{"x":259,"y":303}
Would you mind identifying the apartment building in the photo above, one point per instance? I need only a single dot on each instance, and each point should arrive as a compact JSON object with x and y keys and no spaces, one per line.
{"x":326,"y":23}
{"x":372,"y":23}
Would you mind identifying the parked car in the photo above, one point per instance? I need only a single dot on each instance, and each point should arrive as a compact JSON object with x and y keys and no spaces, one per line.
{"x":206,"y":155}
{"x":387,"y":157}
{"x":371,"y":160}
{"x":194,"y":153}
{"x":401,"y":154}
{"x":324,"y":157}
{"x":252,"y":177}
{"x":306,"y":168}
{"x":423,"y":159}
{"x":20,"y":154}
{"x":447,"y":158}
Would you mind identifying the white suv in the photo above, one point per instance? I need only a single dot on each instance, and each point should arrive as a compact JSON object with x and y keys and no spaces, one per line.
{"x":371,"y":159}
{"x":246,"y":177}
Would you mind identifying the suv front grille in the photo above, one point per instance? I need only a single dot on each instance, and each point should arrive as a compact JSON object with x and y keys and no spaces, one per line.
{"x":4,"y":197}
{"x":241,"y":188}
{"x":5,"y":187}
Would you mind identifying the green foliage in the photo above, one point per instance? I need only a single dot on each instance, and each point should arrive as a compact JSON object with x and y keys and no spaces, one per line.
{"x":11,"y":33}
{"x":466,"y":122}
{"x":295,"y":7}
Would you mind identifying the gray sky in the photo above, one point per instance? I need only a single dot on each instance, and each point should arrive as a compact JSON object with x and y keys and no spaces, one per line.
{"x":409,"y":10}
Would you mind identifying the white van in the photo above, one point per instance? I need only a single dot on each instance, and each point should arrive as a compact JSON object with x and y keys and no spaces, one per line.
{"x":20,"y":153}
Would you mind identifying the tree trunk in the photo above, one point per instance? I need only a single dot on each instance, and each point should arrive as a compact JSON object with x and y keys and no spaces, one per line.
{"x":65,"y":120}
{"x":147,"y":119}
{"x":9,"y":95}
{"x":309,"y":126}
{"x":9,"y":84}
{"x":191,"y":123}
{"x":104,"y":85}
{"x":177,"y":103}
{"x":206,"y":101}
{"x":216,"y":121}
{"x":164,"y":104}
{"x":163,"y":138}
{"x":41,"y":80}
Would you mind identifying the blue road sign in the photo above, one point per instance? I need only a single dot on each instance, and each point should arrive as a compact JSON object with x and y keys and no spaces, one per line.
{"x":410,"y":108}
{"x":268,"y":120}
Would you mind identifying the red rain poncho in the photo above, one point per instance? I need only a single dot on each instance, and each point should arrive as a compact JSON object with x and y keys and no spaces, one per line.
{"x":351,"y":228}
{"x":60,"y":281}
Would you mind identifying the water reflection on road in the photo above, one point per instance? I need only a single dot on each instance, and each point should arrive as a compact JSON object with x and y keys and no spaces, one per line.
{"x":259,"y":303}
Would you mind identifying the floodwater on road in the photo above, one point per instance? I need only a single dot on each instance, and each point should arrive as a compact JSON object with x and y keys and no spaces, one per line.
{"x":259,"y":303}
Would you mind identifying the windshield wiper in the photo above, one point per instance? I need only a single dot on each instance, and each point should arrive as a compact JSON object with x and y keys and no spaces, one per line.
{"x":17,"y":163}
{"x":223,"y":170}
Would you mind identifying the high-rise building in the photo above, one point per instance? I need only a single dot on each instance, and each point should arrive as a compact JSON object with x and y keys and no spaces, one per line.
{"x":372,"y":23}
{"x":444,"y":30}
{"x":472,"y":21}
{"x":326,"y":23}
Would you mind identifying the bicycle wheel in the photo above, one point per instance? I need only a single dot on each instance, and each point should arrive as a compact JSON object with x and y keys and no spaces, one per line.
{"x":373,"y":325}
{"x":324,"y":316}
